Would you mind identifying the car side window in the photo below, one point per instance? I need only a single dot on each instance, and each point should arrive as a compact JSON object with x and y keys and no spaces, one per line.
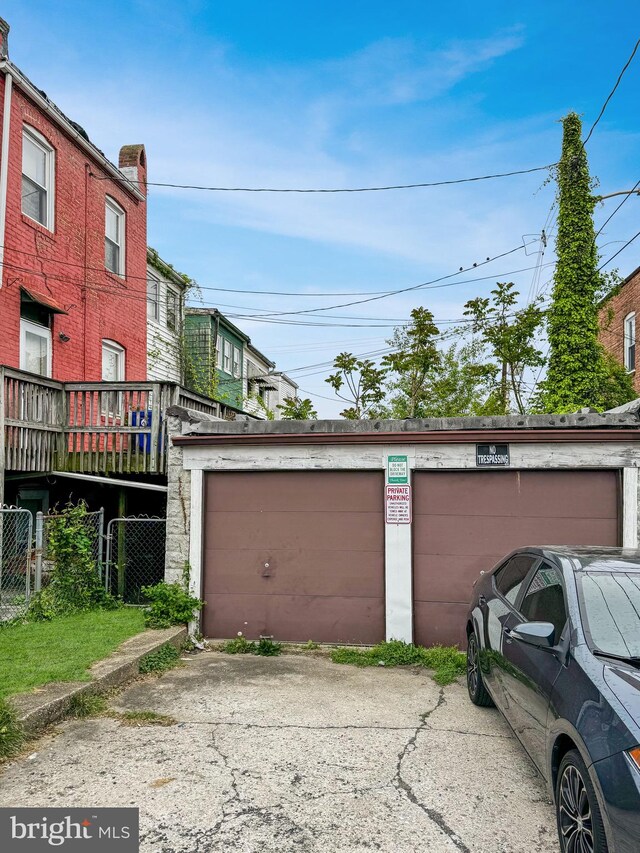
{"x":544,"y":599}
{"x":510,"y":577}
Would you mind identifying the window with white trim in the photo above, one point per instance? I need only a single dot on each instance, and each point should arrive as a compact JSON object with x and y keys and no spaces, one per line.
{"x":228,"y":351}
{"x":630,"y":342}
{"x":35,"y":348}
{"x":38,"y":176}
{"x":113,"y":362}
{"x":237,"y":362}
{"x":173,"y":305}
{"x":153,"y":299}
{"x":219,"y":345}
{"x":114,"y":234}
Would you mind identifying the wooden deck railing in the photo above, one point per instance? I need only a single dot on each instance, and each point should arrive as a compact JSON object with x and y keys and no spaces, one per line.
{"x":88,"y":427}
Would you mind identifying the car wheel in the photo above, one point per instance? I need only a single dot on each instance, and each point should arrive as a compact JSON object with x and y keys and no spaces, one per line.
{"x":477,"y":691}
{"x":580,"y":825}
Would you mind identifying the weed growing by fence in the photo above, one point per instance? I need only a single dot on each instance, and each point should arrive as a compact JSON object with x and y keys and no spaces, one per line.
{"x":11,"y":733}
{"x":75,"y":585}
{"x":447,"y":662}
{"x":170,"y":603}
{"x":164,"y":658}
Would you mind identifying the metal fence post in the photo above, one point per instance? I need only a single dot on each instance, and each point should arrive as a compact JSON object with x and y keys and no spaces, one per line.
{"x":39,"y":545}
{"x":107,"y":573}
{"x":28,"y":566}
{"x":101,"y":567}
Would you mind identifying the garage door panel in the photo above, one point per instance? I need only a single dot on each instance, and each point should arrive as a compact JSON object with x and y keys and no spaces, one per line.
{"x":284,"y":491}
{"x":476,"y":535}
{"x":466,"y":521}
{"x":297,"y":530}
{"x":322,"y":533}
{"x":575,"y":494}
{"x":324,"y":619}
{"x":440,"y":623}
{"x":300,"y":572}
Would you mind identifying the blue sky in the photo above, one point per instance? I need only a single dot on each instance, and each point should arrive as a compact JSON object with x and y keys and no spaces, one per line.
{"x":325,"y":94}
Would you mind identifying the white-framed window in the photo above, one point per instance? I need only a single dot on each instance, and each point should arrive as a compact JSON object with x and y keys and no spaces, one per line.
{"x":35,"y":348}
{"x":219,"y":345}
{"x":38,"y":178}
{"x":153,"y":299}
{"x":228,"y":352}
{"x":237,"y":362}
{"x":630,"y":341}
{"x":173,"y":309}
{"x":113,"y":362}
{"x":114,"y":236}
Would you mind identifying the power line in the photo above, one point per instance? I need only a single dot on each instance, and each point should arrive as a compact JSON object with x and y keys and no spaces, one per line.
{"x":331,"y":189}
{"x":621,"y":249}
{"x":612,"y":92}
{"x":610,"y":217}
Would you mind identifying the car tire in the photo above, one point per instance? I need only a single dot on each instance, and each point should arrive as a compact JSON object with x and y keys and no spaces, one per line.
{"x":478,"y":693}
{"x":580,"y":825}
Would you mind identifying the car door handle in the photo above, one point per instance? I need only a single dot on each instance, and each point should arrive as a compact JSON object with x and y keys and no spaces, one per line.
{"x":482,"y":600}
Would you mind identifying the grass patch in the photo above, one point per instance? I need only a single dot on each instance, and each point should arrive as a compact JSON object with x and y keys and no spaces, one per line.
{"x":86,"y":705}
{"x":145,"y":718}
{"x":447,"y":662}
{"x":164,"y":658}
{"x":11,"y":734}
{"x":35,"y":653}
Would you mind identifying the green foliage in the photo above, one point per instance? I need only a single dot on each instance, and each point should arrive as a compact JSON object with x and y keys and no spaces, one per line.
{"x":460,"y":384}
{"x":11,"y":732}
{"x":295,"y":409}
{"x":86,"y":705}
{"x":267,"y":648}
{"x":415,"y":357}
{"x":166,"y":657}
{"x":362,"y":381}
{"x":580,"y":373}
{"x":169,"y":604}
{"x":145,"y":718}
{"x":197,"y":356}
{"x":447,"y":662}
{"x":509,"y":333}
{"x":75,"y":585}
{"x":310,"y":645}
{"x":239,"y":646}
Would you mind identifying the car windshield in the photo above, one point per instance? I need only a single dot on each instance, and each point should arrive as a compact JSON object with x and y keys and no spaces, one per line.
{"x":610,"y":604}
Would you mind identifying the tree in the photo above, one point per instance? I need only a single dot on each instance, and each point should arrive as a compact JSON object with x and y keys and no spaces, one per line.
{"x":460,"y":385}
{"x":416,"y":356}
{"x":580,"y":372}
{"x":510,"y":335}
{"x":295,"y":409}
{"x":363,"y":382}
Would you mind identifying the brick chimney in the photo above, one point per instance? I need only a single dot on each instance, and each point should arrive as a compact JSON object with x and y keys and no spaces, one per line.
{"x":4,"y":39}
{"x":132,"y":162}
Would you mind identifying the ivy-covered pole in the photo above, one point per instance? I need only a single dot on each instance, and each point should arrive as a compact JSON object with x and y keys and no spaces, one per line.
{"x":580,"y":372}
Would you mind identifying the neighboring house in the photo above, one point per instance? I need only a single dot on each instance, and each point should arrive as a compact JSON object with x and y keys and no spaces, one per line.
{"x":285,"y":387}
{"x":265,"y":389}
{"x":73,"y":230}
{"x":166,"y":289}
{"x":214,"y":356}
{"x":618,"y":323}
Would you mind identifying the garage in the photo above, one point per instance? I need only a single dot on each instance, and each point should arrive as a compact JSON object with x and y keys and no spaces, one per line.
{"x":465,"y":521}
{"x":296,"y":555}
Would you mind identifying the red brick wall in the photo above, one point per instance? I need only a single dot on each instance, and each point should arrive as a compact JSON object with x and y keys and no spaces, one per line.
{"x":68,"y":263}
{"x":612,"y":316}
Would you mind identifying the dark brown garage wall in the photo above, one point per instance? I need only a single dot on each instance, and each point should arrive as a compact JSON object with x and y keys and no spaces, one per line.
{"x":465,"y":521}
{"x":321,"y":534}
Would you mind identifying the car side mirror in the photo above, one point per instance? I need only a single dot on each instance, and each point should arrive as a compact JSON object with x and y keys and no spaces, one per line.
{"x":540,"y":634}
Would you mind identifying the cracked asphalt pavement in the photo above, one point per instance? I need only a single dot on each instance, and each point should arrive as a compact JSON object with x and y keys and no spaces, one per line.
{"x":295,"y":753}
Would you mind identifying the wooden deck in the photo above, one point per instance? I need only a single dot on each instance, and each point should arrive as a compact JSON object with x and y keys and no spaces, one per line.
{"x":89,"y":427}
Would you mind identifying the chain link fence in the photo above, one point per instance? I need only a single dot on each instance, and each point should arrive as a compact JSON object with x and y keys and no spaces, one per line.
{"x":16,"y":543}
{"x":135,"y":556}
{"x":94,"y":527}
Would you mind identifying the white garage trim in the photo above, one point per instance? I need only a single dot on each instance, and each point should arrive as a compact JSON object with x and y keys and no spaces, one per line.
{"x":630,"y":508}
{"x":195,"y":539}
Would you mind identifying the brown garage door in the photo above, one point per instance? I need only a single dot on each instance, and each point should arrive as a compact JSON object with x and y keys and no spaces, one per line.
{"x":295,"y":555}
{"x":465,"y":521}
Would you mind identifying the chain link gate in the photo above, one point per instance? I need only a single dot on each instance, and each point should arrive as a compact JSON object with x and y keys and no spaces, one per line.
{"x":94,"y":528}
{"x":16,"y":541}
{"x":135,"y":556}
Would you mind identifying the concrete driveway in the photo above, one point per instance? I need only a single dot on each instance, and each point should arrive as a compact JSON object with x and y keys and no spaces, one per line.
{"x":298,"y":754}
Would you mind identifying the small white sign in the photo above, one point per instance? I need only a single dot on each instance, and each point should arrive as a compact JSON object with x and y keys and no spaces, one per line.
{"x":397,"y":505}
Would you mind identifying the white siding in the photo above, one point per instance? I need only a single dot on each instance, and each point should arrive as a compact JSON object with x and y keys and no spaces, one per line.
{"x":163,"y":344}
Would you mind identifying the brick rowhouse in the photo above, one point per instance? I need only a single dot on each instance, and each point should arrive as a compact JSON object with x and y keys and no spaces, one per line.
{"x":618,"y":324}
{"x":60,"y":267}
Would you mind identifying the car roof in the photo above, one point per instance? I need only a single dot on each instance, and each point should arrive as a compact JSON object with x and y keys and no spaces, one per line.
{"x":592,"y":557}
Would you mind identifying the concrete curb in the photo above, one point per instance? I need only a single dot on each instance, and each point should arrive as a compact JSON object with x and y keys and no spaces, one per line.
{"x":49,"y":704}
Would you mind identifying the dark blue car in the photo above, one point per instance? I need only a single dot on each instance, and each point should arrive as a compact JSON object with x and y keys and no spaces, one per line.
{"x":554,"y":642}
